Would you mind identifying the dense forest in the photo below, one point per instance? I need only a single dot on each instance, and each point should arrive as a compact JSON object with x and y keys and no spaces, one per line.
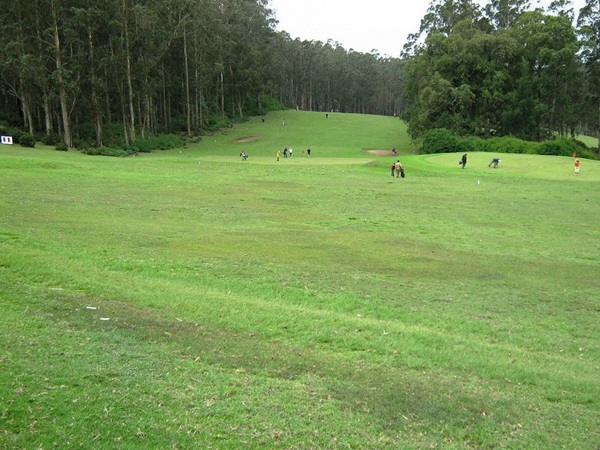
{"x":111,"y":72}
{"x":81,"y":69}
{"x":505,"y":70}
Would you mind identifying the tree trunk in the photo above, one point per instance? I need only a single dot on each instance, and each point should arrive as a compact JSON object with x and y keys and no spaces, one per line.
{"x":188,"y":109}
{"x":598,"y":131}
{"x":222,"y":94}
{"x":95,"y":102}
{"x":68,"y":139}
{"x":47,"y":114}
{"x":128,"y":74}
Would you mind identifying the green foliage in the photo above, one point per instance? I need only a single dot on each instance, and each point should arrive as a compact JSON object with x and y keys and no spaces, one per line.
{"x":583,"y":151}
{"x":439,"y":140}
{"x":18,"y":135}
{"x":444,"y":141}
{"x":512,"y":73}
{"x":142,"y":145}
{"x":106,"y":151}
{"x":26,"y":140}
{"x":269,"y":103}
{"x":85,"y":132}
{"x":51,"y":139}
{"x":558,"y":147}
{"x":509,"y":144}
{"x":215,"y":122}
{"x":159,"y":142}
{"x":472,"y":144}
{"x":195,"y":66}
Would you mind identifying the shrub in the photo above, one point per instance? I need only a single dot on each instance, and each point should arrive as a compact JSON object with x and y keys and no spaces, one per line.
{"x":509,"y":144}
{"x":16,"y":134}
{"x":91,"y":151}
{"x":85,"y":132}
{"x":159,"y":142}
{"x":105,"y":151}
{"x":27,"y":140}
{"x":80,"y":144}
{"x":440,"y":140}
{"x":580,"y":144}
{"x":269,"y":103}
{"x":558,"y":147}
{"x":215,"y":122}
{"x":472,"y":144}
{"x":51,"y":139}
{"x":583,"y":151}
{"x":61,"y":146}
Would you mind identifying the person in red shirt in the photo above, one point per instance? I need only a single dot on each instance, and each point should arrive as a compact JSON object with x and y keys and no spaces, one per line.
{"x":576,"y":167}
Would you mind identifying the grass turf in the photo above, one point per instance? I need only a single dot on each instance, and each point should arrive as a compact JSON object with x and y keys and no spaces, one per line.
{"x":185,"y":299}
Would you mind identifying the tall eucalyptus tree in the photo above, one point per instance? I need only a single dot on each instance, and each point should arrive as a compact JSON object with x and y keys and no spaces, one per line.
{"x":588,"y":24}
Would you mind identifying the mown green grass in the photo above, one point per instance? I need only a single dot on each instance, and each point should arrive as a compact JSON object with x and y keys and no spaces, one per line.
{"x":589,"y":141}
{"x":310,"y":303}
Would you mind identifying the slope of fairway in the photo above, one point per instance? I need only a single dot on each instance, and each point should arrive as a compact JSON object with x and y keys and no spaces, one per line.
{"x":188,"y":299}
{"x":339,"y":135}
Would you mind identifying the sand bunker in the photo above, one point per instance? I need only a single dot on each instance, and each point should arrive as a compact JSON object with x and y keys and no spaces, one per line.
{"x":381,"y":152}
{"x":247,"y":139}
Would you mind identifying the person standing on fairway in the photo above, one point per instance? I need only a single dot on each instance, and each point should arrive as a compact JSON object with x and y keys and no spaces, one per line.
{"x":398,"y":169}
{"x":393,"y":168}
{"x":278,"y":155}
{"x":463,"y":161}
{"x":576,"y":167}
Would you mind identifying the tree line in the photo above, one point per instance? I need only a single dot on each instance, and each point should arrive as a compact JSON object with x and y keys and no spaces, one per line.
{"x":114,"y":71}
{"x":505,"y":70}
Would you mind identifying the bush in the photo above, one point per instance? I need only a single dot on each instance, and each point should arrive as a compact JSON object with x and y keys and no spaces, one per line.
{"x":440,"y":140}
{"x":51,"y":139}
{"x":62,"y":147}
{"x":159,"y":142}
{"x":85,"y":132}
{"x":16,"y":134}
{"x":558,"y":147}
{"x":509,"y":144}
{"x":580,"y":144}
{"x":80,"y":144}
{"x":105,"y":151}
{"x":27,"y":140}
{"x":472,"y":144}
{"x":269,"y":103}
{"x":215,"y":122}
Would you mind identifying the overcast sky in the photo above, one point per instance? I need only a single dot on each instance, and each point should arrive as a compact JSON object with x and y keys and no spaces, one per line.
{"x":361,"y":25}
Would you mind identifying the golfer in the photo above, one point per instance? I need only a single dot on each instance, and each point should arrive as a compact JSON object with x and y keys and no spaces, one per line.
{"x":494,"y":162}
{"x":399,"y":169}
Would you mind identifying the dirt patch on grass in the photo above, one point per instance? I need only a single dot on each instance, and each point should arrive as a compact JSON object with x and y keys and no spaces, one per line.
{"x":246,"y":139}
{"x":381,"y":152}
